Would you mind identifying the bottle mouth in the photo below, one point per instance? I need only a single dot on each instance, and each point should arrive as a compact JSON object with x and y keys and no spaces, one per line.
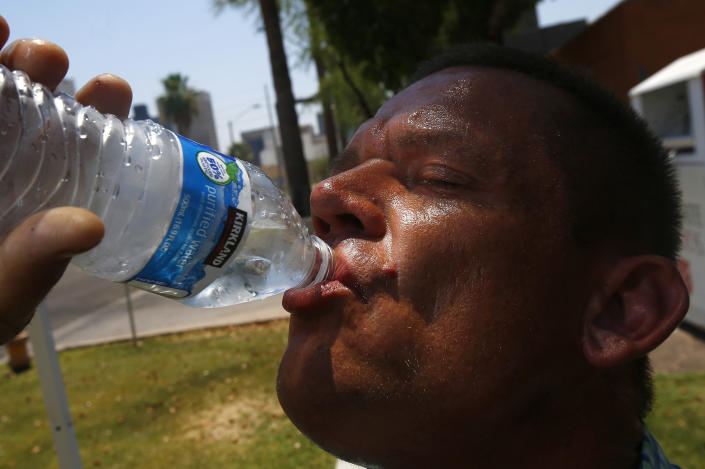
{"x":322,"y":268}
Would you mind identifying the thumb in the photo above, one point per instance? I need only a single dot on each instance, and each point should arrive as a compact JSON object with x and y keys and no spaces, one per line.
{"x":34,"y":256}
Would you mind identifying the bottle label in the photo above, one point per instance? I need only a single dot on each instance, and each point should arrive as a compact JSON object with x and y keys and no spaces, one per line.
{"x":208,"y":226}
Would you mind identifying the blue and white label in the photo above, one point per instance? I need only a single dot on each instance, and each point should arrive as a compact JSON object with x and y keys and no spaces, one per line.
{"x":208,"y":226}
{"x":213,"y":167}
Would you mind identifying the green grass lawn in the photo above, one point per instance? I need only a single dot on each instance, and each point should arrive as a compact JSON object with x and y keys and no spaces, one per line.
{"x":195,"y":400}
{"x":678,"y":418}
{"x":206,"y":399}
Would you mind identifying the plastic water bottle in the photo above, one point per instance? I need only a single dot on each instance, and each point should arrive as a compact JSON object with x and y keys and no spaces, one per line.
{"x":181,"y":220}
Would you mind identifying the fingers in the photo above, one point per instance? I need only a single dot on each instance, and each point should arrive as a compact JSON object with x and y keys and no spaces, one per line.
{"x":43,"y":61}
{"x":108,"y":93}
{"x":34,"y":256}
{"x":4,"y":31}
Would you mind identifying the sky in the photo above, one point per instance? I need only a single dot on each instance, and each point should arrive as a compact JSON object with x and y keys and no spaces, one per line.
{"x":223,"y":53}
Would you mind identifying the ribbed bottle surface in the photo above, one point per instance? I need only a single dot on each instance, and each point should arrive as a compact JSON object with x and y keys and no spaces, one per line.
{"x":56,"y":152}
{"x":62,"y":153}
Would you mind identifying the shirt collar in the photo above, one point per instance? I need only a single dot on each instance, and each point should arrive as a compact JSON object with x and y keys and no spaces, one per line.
{"x":652,"y":456}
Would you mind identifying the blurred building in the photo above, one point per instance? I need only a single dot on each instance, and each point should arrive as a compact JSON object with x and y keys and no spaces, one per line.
{"x":261,"y":142}
{"x":141,"y":113}
{"x":266,"y":149}
{"x":202,"y":128}
{"x":528,"y":36}
{"x":635,"y":39}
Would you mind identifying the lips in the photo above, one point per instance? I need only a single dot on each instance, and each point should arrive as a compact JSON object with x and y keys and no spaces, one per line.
{"x":316,"y":297}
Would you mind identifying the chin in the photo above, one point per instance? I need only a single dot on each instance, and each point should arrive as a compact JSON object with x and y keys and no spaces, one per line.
{"x":305,"y":388}
{"x":309,"y":397}
{"x":341,"y":418}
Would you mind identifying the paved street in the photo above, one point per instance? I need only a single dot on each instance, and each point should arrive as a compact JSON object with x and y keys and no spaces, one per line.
{"x":84,"y":310}
{"x":78,"y":295}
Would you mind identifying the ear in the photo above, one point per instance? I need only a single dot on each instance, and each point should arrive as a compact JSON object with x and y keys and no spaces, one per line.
{"x":642,"y":301}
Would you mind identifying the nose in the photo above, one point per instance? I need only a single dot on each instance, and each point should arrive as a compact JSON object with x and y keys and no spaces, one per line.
{"x":348,"y":204}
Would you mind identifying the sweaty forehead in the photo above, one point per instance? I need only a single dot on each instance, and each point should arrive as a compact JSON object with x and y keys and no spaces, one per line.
{"x":499,"y":110}
{"x":467,"y":91}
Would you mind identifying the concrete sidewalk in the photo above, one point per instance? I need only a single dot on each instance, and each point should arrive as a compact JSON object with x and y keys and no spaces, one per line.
{"x":153,"y":315}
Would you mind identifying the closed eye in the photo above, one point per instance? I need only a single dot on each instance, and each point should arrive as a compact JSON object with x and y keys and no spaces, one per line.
{"x":442,"y":178}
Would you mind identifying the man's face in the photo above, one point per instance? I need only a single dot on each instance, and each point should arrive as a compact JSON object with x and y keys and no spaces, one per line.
{"x":456,"y":302}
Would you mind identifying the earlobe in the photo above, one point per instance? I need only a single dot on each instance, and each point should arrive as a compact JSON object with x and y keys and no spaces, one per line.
{"x":642,"y":300}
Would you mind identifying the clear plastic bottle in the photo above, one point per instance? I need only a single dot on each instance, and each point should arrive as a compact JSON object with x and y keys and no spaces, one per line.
{"x":181,"y":220}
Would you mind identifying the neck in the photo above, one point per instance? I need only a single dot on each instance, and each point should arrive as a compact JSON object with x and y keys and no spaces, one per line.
{"x":588,"y":428}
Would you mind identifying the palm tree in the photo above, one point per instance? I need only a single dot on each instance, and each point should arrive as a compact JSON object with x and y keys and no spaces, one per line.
{"x":294,"y":162}
{"x":178,"y":104}
{"x":296,"y":169}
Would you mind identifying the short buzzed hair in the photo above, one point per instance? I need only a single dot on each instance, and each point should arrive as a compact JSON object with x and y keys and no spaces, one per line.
{"x":621,"y":188}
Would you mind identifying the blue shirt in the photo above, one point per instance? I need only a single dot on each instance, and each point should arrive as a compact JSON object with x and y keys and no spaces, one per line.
{"x":652,"y":456}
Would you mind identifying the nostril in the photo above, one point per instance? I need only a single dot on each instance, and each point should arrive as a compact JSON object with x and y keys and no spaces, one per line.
{"x":320,"y":227}
{"x":350,"y":220}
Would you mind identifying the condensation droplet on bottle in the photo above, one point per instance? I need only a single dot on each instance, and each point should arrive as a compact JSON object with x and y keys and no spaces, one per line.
{"x":138,"y":168}
{"x":116,"y":191}
{"x":128,"y":160}
{"x":156,"y":152}
{"x":260,"y":196}
{"x":250,"y":289}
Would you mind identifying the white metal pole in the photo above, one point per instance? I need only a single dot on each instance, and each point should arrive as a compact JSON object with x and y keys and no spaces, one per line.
{"x":52,"y":384}
{"x":128,"y":302}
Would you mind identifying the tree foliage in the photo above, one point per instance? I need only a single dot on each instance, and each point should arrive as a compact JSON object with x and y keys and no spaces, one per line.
{"x":365,"y":50}
{"x":369,"y":48}
{"x":292,"y":147}
{"x":241,"y":150}
{"x":388,"y":38}
{"x":178,"y":103}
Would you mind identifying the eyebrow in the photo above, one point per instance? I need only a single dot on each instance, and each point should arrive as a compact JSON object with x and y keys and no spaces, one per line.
{"x":416,"y":137}
{"x":427,"y":137}
{"x":343,"y":161}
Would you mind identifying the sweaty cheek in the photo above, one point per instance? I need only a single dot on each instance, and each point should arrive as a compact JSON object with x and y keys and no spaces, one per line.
{"x":435,"y":249}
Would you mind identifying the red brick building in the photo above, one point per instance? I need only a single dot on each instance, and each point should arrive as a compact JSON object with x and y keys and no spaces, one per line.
{"x":636,"y":39}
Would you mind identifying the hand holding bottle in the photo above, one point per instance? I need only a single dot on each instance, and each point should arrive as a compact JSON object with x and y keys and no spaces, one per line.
{"x":35,"y":254}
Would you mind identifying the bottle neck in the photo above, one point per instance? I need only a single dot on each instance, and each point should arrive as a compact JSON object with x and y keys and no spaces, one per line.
{"x":323,"y":264}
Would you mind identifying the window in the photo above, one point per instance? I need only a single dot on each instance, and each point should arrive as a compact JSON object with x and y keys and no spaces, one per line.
{"x":667,"y":112}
